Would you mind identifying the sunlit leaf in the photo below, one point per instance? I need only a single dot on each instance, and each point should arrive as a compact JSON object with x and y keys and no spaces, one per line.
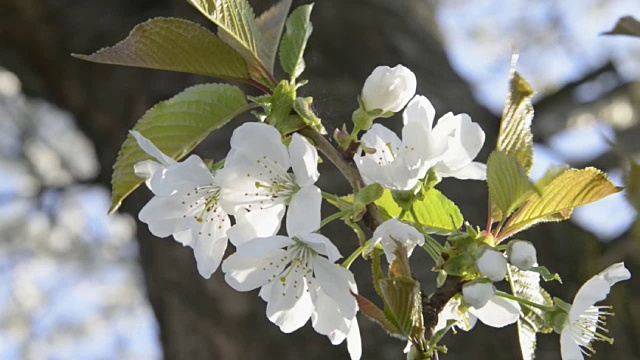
{"x":626,"y":25}
{"x":238,"y":27}
{"x":401,"y":297}
{"x":376,"y":314}
{"x":508,"y":182}
{"x":271,"y":23}
{"x":560,"y":196}
{"x":176,"y":126}
{"x":294,"y":41}
{"x":526,"y":285}
{"x":435,"y":213}
{"x":515,"y":128}
{"x":175,"y":45}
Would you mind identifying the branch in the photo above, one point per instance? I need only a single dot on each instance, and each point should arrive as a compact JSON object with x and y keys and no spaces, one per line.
{"x":373,"y":218}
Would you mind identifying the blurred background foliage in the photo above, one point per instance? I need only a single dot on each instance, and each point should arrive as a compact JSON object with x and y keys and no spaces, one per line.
{"x":77,"y":284}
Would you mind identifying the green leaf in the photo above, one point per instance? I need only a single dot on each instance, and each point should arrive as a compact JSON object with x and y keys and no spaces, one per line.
{"x":402,"y":299}
{"x":376,"y":314}
{"x":435,"y":213}
{"x":369,"y":194}
{"x":271,"y":23}
{"x":238,"y":27}
{"x":508,"y":183}
{"x":546,"y":274}
{"x":626,"y":25}
{"x":560,"y":196}
{"x":515,"y":136}
{"x":526,"y":285}
{"x":175,"y":45}
{"x":294,"y":41}
{"x":281,"y":107}
{"x":176,"y":126}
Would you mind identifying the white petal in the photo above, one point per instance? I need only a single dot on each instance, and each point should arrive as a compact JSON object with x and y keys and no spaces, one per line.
{"x":259,"y":141}
{"x":569,"y":349}
{"x":354,"y":342}
{"x":208,"y":255}
{"x":472,"y":171}
{"x":303,"y":216}
{"x":384,"y":141}
{"x":419,"y":110}
{"x":290,"y":305}
{"x":147,"y":146}
{"x":478,"y":293}
{"x":260,"y":247}
{"x":257,"y":223}
{"x":337,"y":282}
{"x":327,"y":319}
{"x":245,"y":274}
{"x":184,"y":237}
{"x":304,"y":160}
{"x":164,"y":215}
{"x":210,"y":245}
{"x":498,"y":312}
{"x":146,"y":168}
{"x":392,"y":233}
{"x":615,"y":273}
{"x":594,"y":290}
{"x":322,"y":245}
{"x":464,"y":139}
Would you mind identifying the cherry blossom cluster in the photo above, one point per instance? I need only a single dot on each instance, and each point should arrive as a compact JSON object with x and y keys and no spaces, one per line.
{"x":266,"y":179}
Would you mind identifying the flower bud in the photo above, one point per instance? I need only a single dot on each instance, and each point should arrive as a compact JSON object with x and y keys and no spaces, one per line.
{"x":492,"y":264}
{"x":388,"y":89}
{"x":393,"y":233}
{"x":477,"y":293}
{"x":522,"y":254}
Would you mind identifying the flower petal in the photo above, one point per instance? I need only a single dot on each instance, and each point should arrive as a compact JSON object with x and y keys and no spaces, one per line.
{"x":354,"y":342}
{"x":338,"y":283}
{"x":259,"y":141}
{"x":210,"y":245}
{"x":498,"y":312}
{"x":569,"y":349}
{"x":322,"y":245}
{"x":245,"y":274}
{"x":304,"y":160}
{"x":260,"y":247}
{"x":303,"y":216}
{"x":290,"y":305}
{"x":147,"y":146}
{"x":472,"y":171}
{"x":255,"y":224}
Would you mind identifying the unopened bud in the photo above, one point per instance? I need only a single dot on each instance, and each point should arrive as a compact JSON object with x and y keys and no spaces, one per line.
{"x":477,"y":293}
{"x":522,"y":254}
{"x":492,"y":264}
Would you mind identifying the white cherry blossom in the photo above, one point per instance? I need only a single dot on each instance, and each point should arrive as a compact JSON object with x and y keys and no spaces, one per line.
{"x":299,"y":280}
{"x":186,"y":206}
{"x":477,"y":293}
{"x":392,"y":233}
{"x":388,"y":89}
{"x":497,"y":312}
{"x":585,"y":322}
{"x":450,"y":146}
{"x":256,"y":177}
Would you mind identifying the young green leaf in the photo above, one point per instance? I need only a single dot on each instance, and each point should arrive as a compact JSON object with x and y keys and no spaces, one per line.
{"x":376,"y":314}
{"x":402,"y":298}
{"x":435,"y":213}
{"x":626,"y":25}
{"x":508,"y":182}
{"x":176,"y":126}
{"x":515,"y":136}
{"x":294,"y":41}
{"x":175,"y":45}
{"x":526,"y":285}
{"x":238,"y":27}
{"x":271,"y":23}
{"x":560,"y":196}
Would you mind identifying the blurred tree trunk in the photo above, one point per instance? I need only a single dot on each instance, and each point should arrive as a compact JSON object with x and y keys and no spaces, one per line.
{"x":205,"y":319}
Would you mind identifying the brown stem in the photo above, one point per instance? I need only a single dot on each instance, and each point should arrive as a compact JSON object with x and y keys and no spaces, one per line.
{"x":373,"y":218}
